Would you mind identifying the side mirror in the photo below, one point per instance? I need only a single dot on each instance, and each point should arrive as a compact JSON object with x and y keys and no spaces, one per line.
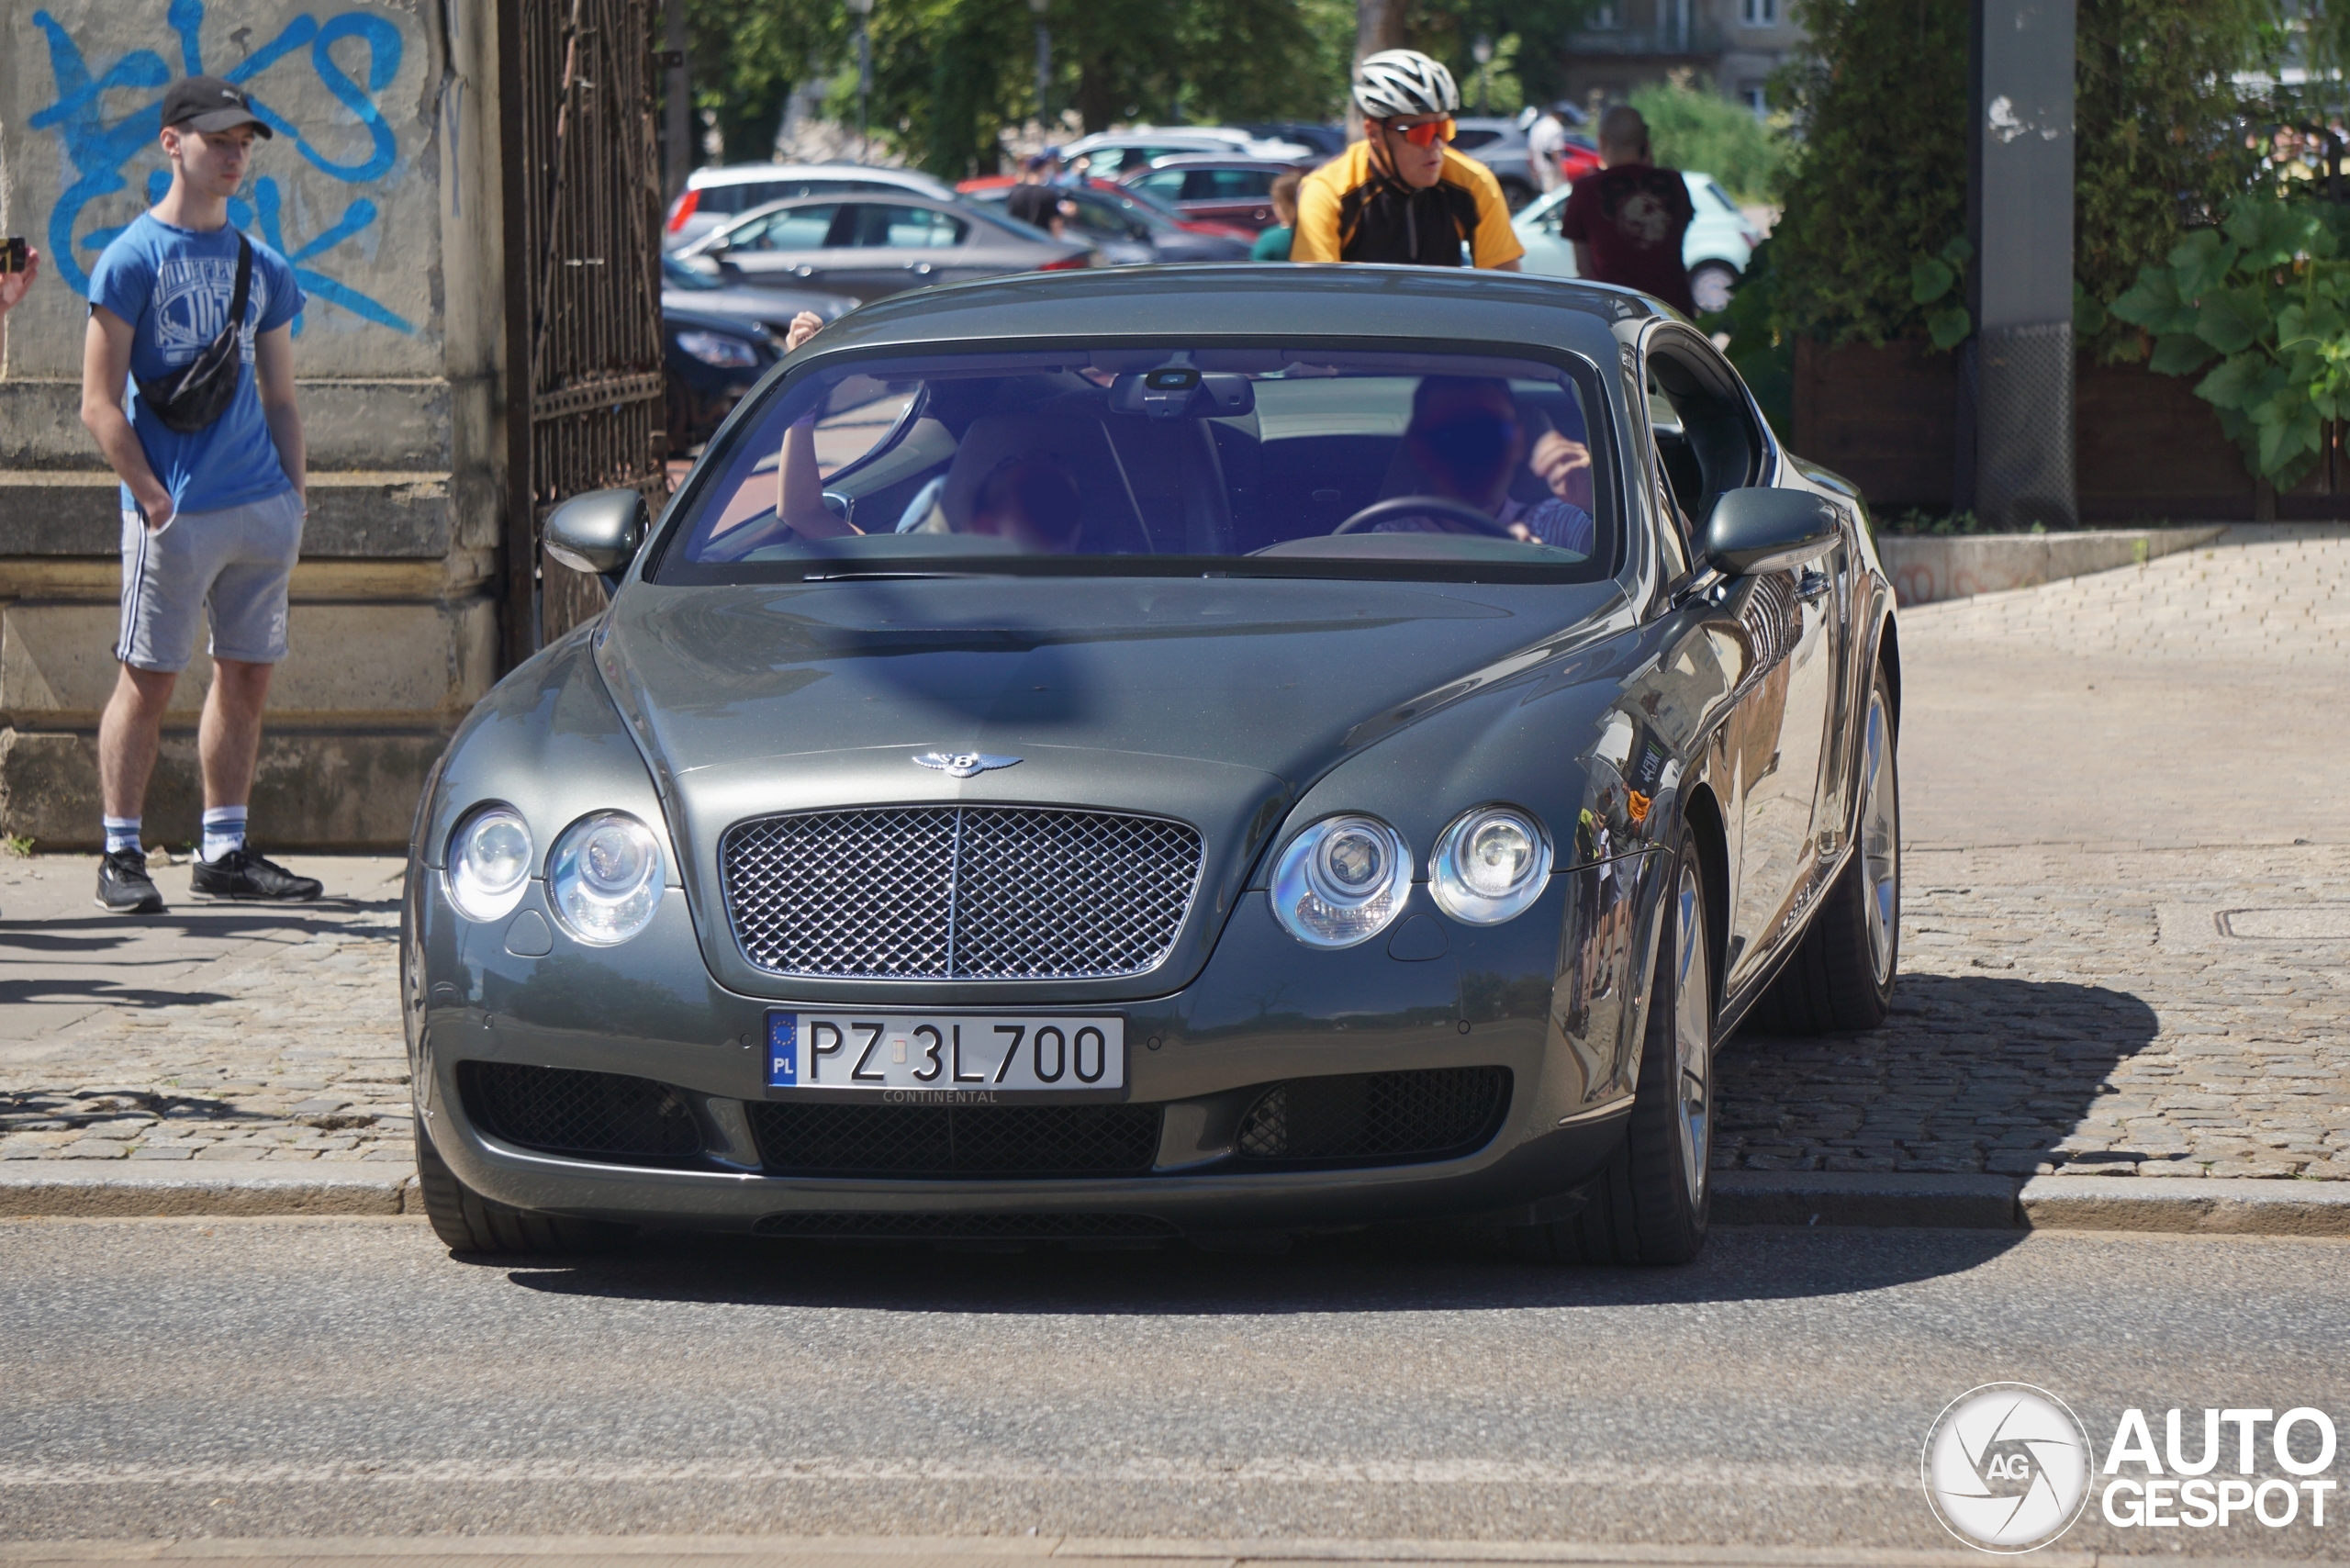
{"x":1763,"y":529}
{"x":598,"y":531}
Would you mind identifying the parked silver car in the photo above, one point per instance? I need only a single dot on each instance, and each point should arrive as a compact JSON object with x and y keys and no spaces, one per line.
{"x":715,"y":196}
{"x":874,"y":247}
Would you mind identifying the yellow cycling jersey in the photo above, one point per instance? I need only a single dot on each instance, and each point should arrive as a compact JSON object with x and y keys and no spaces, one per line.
{"x":1350,"y":211}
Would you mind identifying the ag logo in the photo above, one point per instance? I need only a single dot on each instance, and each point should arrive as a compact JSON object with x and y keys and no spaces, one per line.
{"x":2007,"y":1467}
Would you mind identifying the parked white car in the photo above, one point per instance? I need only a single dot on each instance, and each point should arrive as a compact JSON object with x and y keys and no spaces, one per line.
{"x":1715,"y":251}
{"x":1113,"y":154}
{"x":717,"y":196}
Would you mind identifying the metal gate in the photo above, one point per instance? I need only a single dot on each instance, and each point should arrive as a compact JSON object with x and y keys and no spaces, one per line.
{"x":583,"y":287}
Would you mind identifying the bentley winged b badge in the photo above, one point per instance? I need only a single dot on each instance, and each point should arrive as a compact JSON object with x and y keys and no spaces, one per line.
{"x":963,"y":763}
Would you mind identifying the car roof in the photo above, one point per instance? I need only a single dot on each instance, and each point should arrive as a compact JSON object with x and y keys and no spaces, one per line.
{"x":750,"y":174}
{"x":1420,"y":309}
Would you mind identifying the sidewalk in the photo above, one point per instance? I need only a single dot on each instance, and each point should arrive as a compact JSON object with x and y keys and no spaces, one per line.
{"x":2127,"y":912}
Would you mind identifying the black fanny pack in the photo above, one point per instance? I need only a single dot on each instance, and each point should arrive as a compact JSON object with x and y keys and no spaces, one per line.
{"x":198,"y":393}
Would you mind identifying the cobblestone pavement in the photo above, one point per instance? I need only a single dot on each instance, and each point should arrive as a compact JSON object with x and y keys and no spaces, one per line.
{"x":269,"y":1034}
{"x":2127,"y":915}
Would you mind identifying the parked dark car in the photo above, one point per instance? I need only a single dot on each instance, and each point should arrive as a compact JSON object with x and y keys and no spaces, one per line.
{"x":1328,"y":141}
{"x":1222,"y":190}
{"x":1068,"y":765}
{"x":718,"y":341}
{"x":1123,"y":230}
{"x":872,"y":248}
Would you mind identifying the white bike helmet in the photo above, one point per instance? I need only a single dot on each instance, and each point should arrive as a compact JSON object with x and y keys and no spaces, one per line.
{"x":1399,"y":82}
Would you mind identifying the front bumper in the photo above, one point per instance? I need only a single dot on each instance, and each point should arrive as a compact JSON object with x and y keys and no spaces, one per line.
{"x":1560,"y":1014}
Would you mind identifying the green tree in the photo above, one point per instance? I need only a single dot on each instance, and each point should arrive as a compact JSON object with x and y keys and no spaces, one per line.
{"x":1692,"y":127}
{"x":1878,"y":182}
{"x":747,"y":55}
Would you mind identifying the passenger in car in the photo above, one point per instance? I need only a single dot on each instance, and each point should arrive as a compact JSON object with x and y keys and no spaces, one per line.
{"x":1467,"y":437}
{"x":1030,"y":499}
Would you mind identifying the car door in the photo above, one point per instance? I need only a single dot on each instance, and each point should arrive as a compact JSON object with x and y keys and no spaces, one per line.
{"x":783,"y":249}
{"x":884,"y":248}
{"x":1787,"y":641}
{"x":1241,"y":197}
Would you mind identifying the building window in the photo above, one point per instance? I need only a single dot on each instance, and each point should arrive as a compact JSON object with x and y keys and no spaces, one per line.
{"x":1759,"y":13}
{"x":1602,"y":18}
{"x":1756,"y":98}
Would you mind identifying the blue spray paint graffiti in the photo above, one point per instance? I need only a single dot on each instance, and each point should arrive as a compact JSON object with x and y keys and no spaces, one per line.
{"x":99,"y":151}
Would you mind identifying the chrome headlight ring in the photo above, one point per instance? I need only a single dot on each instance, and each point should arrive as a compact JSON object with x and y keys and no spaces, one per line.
{"x":489,"y":863}
{"x":1490,"y":865}
{"x":1341,"y":882}
{"x":605,"y":877}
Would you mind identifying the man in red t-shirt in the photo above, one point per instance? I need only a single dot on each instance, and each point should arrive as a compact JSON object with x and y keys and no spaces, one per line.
{"x":1628,"y":219}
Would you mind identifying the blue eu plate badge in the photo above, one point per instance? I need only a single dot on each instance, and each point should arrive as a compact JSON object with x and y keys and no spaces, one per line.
{"x":783,"y":1051}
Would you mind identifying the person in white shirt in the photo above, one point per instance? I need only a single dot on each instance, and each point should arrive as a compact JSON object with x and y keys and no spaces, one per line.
{"x":1545,"y":139}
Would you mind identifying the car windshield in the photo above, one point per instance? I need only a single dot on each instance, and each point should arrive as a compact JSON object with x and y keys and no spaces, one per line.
{"x":1305,"y":461}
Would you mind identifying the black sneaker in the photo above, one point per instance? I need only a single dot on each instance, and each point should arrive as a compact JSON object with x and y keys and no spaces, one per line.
{"x":242,"y":874}
{"x":123,"y":886}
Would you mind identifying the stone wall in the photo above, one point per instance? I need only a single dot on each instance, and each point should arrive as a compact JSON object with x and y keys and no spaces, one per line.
{"x":381,"y":187}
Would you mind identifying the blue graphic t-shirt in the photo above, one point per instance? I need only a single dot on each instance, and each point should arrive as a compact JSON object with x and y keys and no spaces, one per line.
{"x":174,"y":286}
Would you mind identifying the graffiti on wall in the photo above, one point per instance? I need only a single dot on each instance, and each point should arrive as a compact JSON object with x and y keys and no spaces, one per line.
{"x":354,"y":57}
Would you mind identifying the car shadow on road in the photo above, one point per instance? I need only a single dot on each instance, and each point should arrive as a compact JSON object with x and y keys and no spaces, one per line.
{"x":1347,"y":1274}
{"x":1973,"y":1073}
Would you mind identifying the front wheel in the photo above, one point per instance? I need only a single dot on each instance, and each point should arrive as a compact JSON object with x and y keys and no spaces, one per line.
{"x":468,"y":1222}
{"x":1711,"y":285}
{"x":1653,"y":1203}
{"x":1841,"y":978}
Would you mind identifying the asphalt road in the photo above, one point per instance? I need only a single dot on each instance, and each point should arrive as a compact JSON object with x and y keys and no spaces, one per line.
{"x":279,"y":1378}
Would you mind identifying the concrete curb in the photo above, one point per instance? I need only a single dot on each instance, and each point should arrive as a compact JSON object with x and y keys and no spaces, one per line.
{"x":1930,"y":569}
{"x":2177,"y":1205}
{"x":212,"y":1189}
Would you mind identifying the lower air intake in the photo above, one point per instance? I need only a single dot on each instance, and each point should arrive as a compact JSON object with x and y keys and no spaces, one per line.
{"x":968,"y":1228}
{"x":560,"y":1111}
{"x":1387,"y":1117}
{"x":914,"y":1141}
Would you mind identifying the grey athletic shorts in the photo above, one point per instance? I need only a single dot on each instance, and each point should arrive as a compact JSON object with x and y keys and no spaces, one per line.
{"x":234,"y":563}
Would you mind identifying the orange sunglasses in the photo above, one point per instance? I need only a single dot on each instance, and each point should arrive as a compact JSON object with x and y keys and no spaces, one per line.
{"x":1426,"y":133}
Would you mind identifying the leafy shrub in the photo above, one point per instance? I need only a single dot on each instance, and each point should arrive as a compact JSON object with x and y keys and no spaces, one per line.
{"x":2268,"y":294}
{"x":1690,"y":127}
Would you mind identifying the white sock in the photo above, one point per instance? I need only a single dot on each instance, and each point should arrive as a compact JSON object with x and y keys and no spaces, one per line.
{"x":122,"y":833}
{"x":224,"y":831}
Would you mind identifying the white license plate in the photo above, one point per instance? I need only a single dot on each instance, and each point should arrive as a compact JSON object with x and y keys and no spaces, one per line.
{"x":945,"y":1052}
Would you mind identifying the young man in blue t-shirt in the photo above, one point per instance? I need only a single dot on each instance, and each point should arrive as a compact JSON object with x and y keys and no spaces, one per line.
{"x":211,"y":516}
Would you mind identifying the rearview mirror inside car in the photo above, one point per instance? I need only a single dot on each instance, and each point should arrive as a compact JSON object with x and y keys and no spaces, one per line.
{"x":1178,"y":391}
{"x":598,"y":531}
{"x":1763,"y":529}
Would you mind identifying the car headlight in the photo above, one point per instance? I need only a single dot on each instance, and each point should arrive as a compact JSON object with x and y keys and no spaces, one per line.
{"x":489,"y":863}
{"x":1341,"y":882}
{"x":604,"y":878}
{"x":1490,"y":864}
{"x":717,"y":348}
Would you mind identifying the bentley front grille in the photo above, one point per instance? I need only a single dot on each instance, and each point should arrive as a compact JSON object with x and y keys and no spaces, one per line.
{"x":564,"y":1111}
{"x":1385,"y":1117}
{"x":801,"y":1139}
{"x":958,"y":892}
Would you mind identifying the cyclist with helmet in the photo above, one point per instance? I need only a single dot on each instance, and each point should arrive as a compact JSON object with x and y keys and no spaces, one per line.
{"x":1402,"y":194}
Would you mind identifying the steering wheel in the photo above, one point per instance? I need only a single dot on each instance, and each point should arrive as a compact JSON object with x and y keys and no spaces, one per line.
{"x":1371,"y":516}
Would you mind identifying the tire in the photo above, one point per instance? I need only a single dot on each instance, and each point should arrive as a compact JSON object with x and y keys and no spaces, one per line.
{"x":1653,"y":1203}
{"x":1710,"y":285}
{"x":468,"y":1222}
{"x":1841,"y":978}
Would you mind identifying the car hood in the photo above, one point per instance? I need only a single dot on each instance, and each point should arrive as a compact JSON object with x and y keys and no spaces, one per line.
{"x":1216,"y":701}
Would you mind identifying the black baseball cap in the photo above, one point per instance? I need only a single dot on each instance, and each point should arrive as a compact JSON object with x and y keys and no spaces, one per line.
{"x":206,"y":102}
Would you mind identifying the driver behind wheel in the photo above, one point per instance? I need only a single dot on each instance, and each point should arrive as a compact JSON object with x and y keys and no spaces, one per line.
{"x":1470,"y":441}
{"x":1467,"y":436}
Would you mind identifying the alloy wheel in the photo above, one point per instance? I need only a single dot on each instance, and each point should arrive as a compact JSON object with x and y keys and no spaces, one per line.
{"x":1880,"y":840}
{"x":1692,"y":1034}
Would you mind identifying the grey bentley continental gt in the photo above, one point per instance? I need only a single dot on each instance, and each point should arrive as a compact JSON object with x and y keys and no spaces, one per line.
{"x":1209,"y":752}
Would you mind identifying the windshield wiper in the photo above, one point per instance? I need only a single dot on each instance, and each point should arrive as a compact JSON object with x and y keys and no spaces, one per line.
{"x":862,"y":574}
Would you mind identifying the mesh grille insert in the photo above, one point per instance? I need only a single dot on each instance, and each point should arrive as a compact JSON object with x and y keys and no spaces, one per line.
{"x":560,"y":1111}
{"x":1399,"y":1117}
{"x":958,"y":892}
{"x":955,"y":1140}
{"x":968,"y":1228}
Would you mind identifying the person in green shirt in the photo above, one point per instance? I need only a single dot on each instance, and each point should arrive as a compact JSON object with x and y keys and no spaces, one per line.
{"x":1272,"y":245}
